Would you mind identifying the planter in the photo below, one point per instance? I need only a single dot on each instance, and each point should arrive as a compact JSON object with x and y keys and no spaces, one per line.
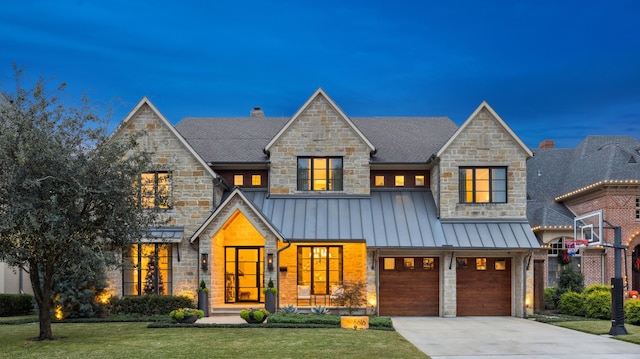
{"x":189,"y":319}
{"x":353,"y":322}
{"x":270,"y":301}
{"x":203,"y":302}
{"x":252,"y":320}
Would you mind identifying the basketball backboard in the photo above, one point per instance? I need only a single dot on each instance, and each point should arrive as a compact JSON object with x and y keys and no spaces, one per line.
{"x":589,"y":227}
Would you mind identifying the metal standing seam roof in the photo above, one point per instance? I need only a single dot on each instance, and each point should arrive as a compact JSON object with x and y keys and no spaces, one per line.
{"x":386,"y":219}
{"x":164,"y":234}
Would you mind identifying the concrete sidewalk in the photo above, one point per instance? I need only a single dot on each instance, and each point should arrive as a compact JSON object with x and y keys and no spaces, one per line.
{"x":506,"y":337}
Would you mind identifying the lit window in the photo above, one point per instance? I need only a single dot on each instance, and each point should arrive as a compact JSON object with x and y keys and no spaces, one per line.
{"x":155,"y":189}
{"x":408,"y":263}
{"x":483,"y":185}
{"x":399,"y":181}
{"x":428,"y":264}
{"x":256,"y":180}
{"x":481,"y":263}
{"x":320,"y":267}
{"x":637,"y":208}
{"x":501,"y":264}
{"x":238,"y":180}
{"x":320,"y":174}
{"x":420,"y":181}
{"x":379,"y":181}
{"x":147,"y":269}
{"x":389,"y":263}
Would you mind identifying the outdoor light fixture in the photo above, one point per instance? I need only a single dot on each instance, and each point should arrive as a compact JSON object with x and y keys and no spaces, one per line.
{"x":204,"y":261}
{"x":270,"y":261}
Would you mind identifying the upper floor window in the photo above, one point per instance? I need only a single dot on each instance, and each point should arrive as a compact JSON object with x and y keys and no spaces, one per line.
{"x":419,"y":181}
{"x":256,"y":180}
{"x":637,"y":208}
{"x":319,"y":173}
{"x":379,"y":181}
{"x":399,"y":181}
{"x":238,"y":180}
{"x":483,"y":184}
{"x":155,"y":189}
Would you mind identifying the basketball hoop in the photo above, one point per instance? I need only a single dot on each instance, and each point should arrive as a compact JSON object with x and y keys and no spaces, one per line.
{"x":574,"y":245}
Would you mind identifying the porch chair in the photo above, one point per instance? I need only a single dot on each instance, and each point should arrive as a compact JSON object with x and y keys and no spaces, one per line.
{"x":304,"y":293}
{"x":336,"y":291}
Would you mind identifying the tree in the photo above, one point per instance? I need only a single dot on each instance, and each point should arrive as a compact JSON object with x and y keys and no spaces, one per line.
{"x":67,"y":190}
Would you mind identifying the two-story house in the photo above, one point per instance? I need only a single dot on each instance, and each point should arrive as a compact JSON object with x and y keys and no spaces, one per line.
{"x":602,"y":173}
{"x":430,"y":216}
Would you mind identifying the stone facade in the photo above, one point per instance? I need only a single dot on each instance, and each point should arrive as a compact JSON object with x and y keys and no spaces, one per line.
{"x":484,"y":142}
{"x":319,"y":131}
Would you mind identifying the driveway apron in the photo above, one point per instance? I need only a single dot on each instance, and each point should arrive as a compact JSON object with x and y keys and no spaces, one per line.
{"x":506,"y":337}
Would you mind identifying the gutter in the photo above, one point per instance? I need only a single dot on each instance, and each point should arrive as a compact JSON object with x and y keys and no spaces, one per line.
{"x":278,"y":275}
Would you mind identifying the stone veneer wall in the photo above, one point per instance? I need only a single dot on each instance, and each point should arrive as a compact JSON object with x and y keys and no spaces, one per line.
{"x":319,"y":131}
{"x":192,"y":196}
{"x":483,"y":143}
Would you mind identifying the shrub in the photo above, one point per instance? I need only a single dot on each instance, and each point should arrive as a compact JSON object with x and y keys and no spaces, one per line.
{"x":632,"y":311}
{"x":352,"y":297}
{"x":288,"y":309}
{"x":549,"y":293}
{"x":571,"y":303}
{"x":597,"y":288}
{"x":149,"y":304}
{"x":15,"y":304}
{"x":597,"y":304}
{"x":570,"y":280}
{"x":319,"y":310}
{"x":179,"y":314}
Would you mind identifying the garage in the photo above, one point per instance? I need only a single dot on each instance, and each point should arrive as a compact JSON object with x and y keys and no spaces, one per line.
{"x":483,"y":286}
{"x":409,"y":286}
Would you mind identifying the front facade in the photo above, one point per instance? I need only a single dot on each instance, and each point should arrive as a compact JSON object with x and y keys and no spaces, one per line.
{"x":428,"y":216}
{"x":601,"y":174}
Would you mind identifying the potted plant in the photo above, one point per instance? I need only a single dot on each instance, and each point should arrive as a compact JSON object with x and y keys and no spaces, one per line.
{"x":270,"y":296}
{"x":203,"y":298}
{"x":254,"y":316}
{"x":186,"y":315}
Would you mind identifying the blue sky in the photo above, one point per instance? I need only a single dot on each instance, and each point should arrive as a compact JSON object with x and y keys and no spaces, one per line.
{"x":557,"y":70}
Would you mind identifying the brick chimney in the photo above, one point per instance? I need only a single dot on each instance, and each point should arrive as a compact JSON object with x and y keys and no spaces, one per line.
{"x":546,"y":144}
{"x":257,"y":112}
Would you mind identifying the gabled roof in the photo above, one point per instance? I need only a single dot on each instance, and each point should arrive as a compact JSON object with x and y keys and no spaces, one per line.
{"x":485,"y":105}
{"x":169,"y":126}
{"x":237,"y":193}
{"x":296,"y":116}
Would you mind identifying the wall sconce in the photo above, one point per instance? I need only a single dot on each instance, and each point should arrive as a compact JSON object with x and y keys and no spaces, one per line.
{"x":270,"y":261}
{"x":204,"y":261}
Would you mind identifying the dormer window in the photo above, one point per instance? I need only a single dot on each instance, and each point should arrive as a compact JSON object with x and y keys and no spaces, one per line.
{"x":483,"y":185}
{"x":319,"y":173}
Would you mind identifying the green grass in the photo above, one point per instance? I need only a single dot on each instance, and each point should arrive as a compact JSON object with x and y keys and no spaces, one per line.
{"x":590,"y":325}
{"x":135,"y":340}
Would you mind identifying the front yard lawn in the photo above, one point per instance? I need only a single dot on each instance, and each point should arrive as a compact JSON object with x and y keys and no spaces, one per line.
{"x":135,"y":340}
{"x":589,"y":325}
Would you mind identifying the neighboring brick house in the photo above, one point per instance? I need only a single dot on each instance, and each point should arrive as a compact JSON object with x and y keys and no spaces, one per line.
{"x":429,"y":215}
{"x":601,"y":173}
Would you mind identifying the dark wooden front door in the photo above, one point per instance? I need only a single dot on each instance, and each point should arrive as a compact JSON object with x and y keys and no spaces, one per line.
{"x":483,"y":286}
{"x":409,"y":286}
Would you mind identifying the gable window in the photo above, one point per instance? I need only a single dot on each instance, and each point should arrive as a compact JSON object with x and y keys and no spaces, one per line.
{"x":483,"y":184}
{"x":320,"y":267}
{"x":147,"y":269}
{"x":319,"y":173}
{"x":155,"y":189}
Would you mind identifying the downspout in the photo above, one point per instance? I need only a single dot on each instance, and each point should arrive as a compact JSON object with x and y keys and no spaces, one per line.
{"x":278,"y":261}
{"x":526,"y":264}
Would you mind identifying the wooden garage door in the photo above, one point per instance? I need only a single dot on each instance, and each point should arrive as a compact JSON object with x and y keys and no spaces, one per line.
{"x":409,"y":286}
{"x":483,"y":286}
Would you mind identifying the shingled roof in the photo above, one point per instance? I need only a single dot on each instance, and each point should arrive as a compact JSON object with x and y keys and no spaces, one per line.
{"x":553,"y":173}
{"x":242,"y":140}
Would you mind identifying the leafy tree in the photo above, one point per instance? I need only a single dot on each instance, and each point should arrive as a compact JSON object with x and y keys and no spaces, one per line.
{"x":67,"y":191}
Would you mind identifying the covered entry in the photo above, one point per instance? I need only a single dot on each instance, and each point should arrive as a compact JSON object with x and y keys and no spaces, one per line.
{"x":483,"y":286}
{"x":409,"y":286}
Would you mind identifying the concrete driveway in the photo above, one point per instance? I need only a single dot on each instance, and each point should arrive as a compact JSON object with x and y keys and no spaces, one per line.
{"x":506,"y":337}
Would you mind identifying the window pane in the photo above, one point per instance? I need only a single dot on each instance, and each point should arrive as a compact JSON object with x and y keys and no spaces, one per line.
{"x":419,"y":181}
{"x":399,"y":181}
{"x":238,"y":180}
{"x":256,"y":180}
{"x":335,"y":174}
{"x":379,"y":181}
{"x":428,"y":263}
{"x":147,"y":190}
{"x":482,"y":185}
{"x":389,"y":263}
{"x":408,"y":263}
{"x":162,"y":190}
{"x":319,"y":174}
{"x":499,"y":184}
{"x":481,"y":263}
{"x":304,"y":174}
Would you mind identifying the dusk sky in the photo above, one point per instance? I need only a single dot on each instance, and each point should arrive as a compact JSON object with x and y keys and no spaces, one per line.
{"x":557,"y":70}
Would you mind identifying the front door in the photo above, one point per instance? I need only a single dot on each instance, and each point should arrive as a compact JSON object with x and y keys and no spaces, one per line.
{"x":244,"y":277}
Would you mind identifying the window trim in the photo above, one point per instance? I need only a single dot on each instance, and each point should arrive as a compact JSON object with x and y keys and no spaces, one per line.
{"x":492,"y":192}
{"x":334,"y":179}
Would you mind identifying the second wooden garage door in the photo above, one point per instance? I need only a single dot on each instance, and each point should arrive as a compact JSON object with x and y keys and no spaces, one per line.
{"x":483,"y":286}
{"x":409,"y":286}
